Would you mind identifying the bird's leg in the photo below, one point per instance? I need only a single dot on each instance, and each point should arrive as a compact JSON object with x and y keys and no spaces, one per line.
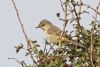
{"x":46,"y":41}
{"x":59,"y":42}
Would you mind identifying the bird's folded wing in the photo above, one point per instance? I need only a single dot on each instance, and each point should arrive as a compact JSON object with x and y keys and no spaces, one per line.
{"x":56,"y":31}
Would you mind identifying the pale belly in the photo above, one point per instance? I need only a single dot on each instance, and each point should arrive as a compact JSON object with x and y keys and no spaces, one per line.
{"x":53,"y":38}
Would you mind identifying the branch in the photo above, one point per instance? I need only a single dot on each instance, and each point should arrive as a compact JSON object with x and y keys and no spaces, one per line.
{"x":28,"y":43}
{"x":62,"y":6}
{"x":45,"y":46}
{"x":92,"y":41}
{"x":91,"y":49}
{"x":65,"y":19}
{"x":92,"y":8}
{"x":97,"y":8}
{"x":20,"y":62}
{"x":19,"y":18}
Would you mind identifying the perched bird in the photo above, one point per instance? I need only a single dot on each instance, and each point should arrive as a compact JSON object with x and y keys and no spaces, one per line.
{"x":53,"y":33}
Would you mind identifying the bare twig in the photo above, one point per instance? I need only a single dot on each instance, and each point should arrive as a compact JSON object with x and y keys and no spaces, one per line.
{"x":51,"y":47}
{"x":33,"y":59}
{"x":92,"y":8}
{"x":80,"y":7}
{"x":92,"y":31}
{"x":19,"y":18}
{"x":20,"y":62}
{"x":91,"y":57}
{"x":65,"y":19}
{"x":28,"y":43}
{"x":97,"y":8}
{"x":62,"y":6}
{"x":71,"y":13}
{"x":77,"y":16}
{"x":45,"y":49}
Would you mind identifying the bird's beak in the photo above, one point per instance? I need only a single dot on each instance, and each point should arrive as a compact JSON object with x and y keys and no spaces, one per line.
{"x":38,"y":26}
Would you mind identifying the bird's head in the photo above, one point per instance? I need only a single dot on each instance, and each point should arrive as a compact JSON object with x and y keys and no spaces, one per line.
{"x":44,"y":24}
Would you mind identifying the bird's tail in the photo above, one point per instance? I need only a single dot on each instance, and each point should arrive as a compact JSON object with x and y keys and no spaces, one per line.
{"x":77,"y":44}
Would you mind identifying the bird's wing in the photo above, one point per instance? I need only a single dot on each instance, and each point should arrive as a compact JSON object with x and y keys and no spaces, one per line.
{"x":56,"y":31}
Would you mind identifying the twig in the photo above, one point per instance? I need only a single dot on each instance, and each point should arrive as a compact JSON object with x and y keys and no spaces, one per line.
{"x":65,"y":19}
{"x":45,"y":49}
{"x":51,"y":47}
{"x":97,"y":8}
{"x":28,"y":43}
{"x":71,"y":13}
{"x":77,"y":17}
{"x":62,"y":6}
{"x":19,"y":18}
{"x":22,"y":64}
{"x":33,"y":60}
{"x":92,"y":41}
{"x":92,"y":8}
{"x":80,"y":7}
{"x":91,"y":49}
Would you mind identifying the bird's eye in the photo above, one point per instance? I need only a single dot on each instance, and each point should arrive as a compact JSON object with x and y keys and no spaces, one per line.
{"x":43,"y":24}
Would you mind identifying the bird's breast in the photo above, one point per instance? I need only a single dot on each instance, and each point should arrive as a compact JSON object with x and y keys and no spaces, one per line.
{"x":52,"y":38}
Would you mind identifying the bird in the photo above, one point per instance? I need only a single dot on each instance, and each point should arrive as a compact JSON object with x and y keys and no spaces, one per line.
{"x":53,"y":33}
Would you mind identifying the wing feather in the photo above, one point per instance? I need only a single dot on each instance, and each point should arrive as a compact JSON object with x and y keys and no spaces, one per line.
{"x":56,"y":31}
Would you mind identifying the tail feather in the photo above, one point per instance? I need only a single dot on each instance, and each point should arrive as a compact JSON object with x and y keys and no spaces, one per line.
{"x":77,"y":44}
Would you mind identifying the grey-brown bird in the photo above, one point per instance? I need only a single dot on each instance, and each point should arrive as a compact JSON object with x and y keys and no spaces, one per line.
{"x":53,"y":33}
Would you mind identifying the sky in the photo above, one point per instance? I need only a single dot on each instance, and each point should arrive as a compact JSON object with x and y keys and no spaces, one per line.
{"x":31,"y":11}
